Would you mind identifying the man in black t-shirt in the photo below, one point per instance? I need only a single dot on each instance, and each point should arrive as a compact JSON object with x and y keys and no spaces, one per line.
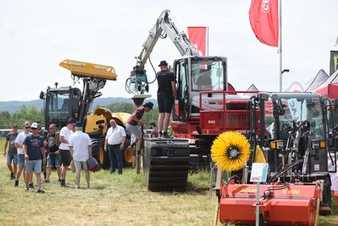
{"x":166,"y":95}
{"x":11,"y":151}
{"x":52,"y":146}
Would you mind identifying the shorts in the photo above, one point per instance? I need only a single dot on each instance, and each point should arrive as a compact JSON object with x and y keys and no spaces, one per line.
{"x":81,"y":165}
{"x":53,"y":160}
{"x":11,"y":157}
{"x":20,"y":161}
{"x":33,"y":166}
{"x":165,"y":103}
{"x":134,"y":130}
{"x":66,"y":157}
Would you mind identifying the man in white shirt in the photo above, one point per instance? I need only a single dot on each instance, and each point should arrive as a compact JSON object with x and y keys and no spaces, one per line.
{"x":65,"y":154}
{"x":114,"y":143}
{"x":20,"y":152}
{"x":80,"y":147}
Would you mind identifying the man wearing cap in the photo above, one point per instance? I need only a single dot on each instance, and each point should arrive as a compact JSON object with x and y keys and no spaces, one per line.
{"x":20,"y":152}
{"x":134,"y":122}
{"x":33,"y":148}
{"x":65,"y":154}
{"x":52,"y":147}
{"x":80,"y":148}
{"x":115,"y":140}
{"x":166,"y":95}
{"x":10,"y":154}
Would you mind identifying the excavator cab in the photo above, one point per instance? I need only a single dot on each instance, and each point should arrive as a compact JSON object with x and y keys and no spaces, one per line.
{"x":195,"y":75}
{"x":62,"y":103}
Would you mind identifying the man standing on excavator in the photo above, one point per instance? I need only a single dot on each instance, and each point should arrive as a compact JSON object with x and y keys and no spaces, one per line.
{"x":166,"y":95}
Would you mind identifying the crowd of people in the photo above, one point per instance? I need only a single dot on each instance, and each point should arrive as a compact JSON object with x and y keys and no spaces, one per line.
{"x":33,"y":151}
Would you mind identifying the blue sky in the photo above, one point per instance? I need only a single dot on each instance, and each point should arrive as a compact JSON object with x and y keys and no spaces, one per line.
{"x":36,"y":35}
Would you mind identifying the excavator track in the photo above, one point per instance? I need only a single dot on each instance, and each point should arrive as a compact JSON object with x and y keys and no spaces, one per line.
{"x":166,"y":164}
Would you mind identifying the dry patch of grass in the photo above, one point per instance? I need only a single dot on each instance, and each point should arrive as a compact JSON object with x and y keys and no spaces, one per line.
{"x":112,"y":200}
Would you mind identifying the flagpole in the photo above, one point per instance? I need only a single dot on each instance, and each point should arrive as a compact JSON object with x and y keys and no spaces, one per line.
{"x":280,"y":46}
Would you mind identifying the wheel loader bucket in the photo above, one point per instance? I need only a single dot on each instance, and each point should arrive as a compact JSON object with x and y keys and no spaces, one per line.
{"x":91,"y":70}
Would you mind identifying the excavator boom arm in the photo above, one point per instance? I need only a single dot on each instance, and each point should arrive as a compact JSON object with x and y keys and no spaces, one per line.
{"x":165,"y":27}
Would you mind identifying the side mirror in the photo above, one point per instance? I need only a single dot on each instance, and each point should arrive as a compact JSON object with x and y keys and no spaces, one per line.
{"x":42,"y":95}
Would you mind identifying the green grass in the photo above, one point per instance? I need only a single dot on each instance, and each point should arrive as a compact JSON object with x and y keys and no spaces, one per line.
{"x":112,"y":200}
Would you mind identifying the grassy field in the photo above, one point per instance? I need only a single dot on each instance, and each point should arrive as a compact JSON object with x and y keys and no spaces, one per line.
{"x":112,"y":200}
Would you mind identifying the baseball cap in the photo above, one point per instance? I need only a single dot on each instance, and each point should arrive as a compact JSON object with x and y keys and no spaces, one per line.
{"x":163,"y":63}
{"x":34,"y":125}
{"x":27,"y":124}
{"x":149,"y":105}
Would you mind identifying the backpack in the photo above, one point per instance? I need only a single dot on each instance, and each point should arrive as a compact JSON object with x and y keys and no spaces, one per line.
{"x":93,"y":165}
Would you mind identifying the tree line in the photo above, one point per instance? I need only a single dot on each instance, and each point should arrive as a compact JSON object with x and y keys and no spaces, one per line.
{"x":7,"y":119}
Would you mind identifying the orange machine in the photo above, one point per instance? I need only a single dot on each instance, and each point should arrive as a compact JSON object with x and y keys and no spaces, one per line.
{"x":292,"y":204}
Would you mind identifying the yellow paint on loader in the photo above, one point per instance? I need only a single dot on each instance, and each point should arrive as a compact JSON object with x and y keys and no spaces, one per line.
{"x":91,"y":70}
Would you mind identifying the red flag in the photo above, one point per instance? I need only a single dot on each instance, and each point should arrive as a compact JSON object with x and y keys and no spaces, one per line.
{"x":198,"y":37}
{"x":263,"y":16}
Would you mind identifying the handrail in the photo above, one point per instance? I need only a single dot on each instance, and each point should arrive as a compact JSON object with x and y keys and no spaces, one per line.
{"x":224,"y":98}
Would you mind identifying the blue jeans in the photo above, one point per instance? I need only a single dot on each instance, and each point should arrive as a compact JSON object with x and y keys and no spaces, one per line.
{"x":53,"y":160}
{"x":33,"y":166}
{"x":115,"y":157}
{"x":11,"y":157}
{"x":20,"y":160}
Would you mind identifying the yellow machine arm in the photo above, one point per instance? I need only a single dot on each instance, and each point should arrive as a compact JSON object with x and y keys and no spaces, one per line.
{"x":85,"y":69}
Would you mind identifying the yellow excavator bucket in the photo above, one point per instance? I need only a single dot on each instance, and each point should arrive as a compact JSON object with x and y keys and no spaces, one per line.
{"x":85,"y":69}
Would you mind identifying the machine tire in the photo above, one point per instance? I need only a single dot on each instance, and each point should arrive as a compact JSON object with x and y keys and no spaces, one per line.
{"x":325,"y":208}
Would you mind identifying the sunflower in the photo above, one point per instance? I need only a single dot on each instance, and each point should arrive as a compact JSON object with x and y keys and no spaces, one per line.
{"x":230,"y":151}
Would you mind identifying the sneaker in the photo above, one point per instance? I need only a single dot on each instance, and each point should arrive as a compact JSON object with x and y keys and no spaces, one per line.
{"x":63,"y":183}
{"x":12,"y":176}
{"x":27,"y":187}
{"x":40,"y":191}
{"x":31,"y":186}
{"x":47,"y":181}
{"x":16,"y":183}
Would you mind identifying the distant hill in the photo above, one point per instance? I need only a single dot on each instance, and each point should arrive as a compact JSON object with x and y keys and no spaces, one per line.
{"x":12,"y":106}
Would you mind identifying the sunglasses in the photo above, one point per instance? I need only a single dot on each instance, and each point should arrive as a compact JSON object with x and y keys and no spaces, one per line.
{"x":27,"y":127}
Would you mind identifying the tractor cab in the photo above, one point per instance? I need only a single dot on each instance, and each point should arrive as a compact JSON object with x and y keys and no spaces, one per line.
{"x":61,"y":104}
{"x":294,"y":123}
